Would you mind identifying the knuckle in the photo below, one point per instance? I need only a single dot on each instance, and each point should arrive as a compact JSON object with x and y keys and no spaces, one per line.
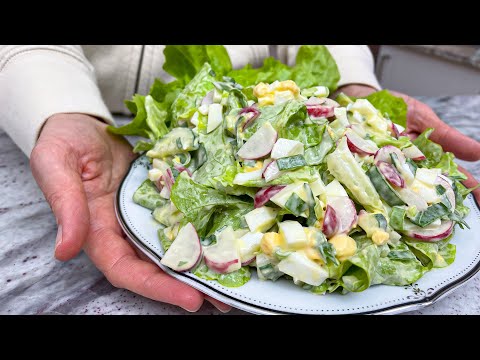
{"x":114,"y":273}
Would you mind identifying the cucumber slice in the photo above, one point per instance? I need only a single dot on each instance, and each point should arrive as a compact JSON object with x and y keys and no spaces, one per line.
{"x":291,"y":162}
{"x":382,"y":222}
{"x":386,"y":192}
{"x":397,"y":218}
{"x":433,"y":212}
{"x":296,"y":205}
{"x":312,"y":218}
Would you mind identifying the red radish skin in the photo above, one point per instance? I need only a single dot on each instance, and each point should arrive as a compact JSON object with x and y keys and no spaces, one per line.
{"x":345,"y":212}
{"x":223,"y":267}
{"x":358,"y":145}
{"x":391,"y":174}
{"x":394,"y":130}
{"x":383,"y":154}
{"x":159,"y":184}
{"x":330,"y":222}
{"x":319,"y":111}
{"x":248,"y":262}
{"x":253,"y":114}
{"x":429,"y":235}
{"x":264,"y":195}
{"x":169,"y":179}
{"x":181,"y":168}
{"x":414,"y":153}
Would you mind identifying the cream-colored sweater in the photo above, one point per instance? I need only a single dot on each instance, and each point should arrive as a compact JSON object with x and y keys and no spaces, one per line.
{"x":37,"y":81}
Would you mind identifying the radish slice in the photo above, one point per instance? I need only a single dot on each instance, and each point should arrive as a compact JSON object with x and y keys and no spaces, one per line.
{"x":429,"y":233}
{"x":391,"y":174}
{"x":414,"y":153}
{"x":208,"y":99}
{"x":271,"y":172}
{"x":265,"y":194}
{"x":185,"y":252}
{"x":181,"y":168}
{"x":260,"y":144}
{"x":345,"y":211}
{"x":443,"y":181}
{"x":359,"y":130}
{"x":159,"y":184}
{"x":314,"y":101}
{"x":318,"y":111}
{"x":330,"y":222}
{"x":358,"y":145}
{"x":252,"y":113}
{"x":223,"y":257}
{"x":412,"y":199}
{"x":169,"y":181}
{"x":384,"y":154}
{"x":394,"y":130}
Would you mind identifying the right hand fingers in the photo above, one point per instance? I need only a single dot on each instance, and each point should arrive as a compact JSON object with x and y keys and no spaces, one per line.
{"x":54,"y":169}
{"x":454,"y":141}
{"x":470,"y":183}
{"x":114,"y":256}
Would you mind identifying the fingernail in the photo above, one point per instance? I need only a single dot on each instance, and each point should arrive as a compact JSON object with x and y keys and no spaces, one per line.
{"x":218,"y":307}
{"x":59,"y":238}
{"x":194,"y":310}
{"x":223,"y":310}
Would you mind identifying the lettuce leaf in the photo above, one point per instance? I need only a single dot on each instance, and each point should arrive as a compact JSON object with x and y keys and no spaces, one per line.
{"x":282,"y":116}
{"x":433,"y":255}
{"x":271,"y":70}
{"x":449,"y":166}
{"x":432,"y":151}
{"x":138,"y":126}
{"x":360,"y":269}
{"x":399,"y":267}
{"x":315,"y":65}
{"x":233,"y":279}
{"x":394,"y":108}
{"x":199,"y":203}
{"x":151,"y":112}
{"x":148,"y":196}
{"x":343,"y":166}
{"x":184,"y":61}
{"x":187,"y":101}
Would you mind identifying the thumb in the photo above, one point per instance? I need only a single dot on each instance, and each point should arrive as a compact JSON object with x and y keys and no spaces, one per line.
{"x":54,"y":167}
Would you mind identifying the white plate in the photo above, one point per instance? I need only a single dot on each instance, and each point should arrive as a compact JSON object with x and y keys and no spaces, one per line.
{"x":283,"y":297}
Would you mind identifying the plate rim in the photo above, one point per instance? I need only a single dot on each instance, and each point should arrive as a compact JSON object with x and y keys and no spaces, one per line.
{"x":256,"y":309}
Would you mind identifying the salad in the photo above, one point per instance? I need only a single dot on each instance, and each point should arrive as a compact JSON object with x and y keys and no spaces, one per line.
{"x":258,"y":170}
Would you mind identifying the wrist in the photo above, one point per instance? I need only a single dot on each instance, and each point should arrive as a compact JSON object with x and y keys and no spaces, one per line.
{"x":356,"y":90}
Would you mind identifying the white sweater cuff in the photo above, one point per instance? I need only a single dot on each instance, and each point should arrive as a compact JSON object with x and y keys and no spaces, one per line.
{"x":37,"y":84}
{"x":355,"y":64}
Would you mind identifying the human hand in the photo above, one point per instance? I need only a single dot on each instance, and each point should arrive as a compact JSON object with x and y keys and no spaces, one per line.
{"x":420,"y":117}
{"x":78,"y":166}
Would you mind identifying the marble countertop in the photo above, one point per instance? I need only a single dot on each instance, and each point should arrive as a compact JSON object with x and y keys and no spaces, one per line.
{"x":33,"y":282}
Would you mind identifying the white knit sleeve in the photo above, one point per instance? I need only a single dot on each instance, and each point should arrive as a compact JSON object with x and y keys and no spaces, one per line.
{"x":37,"y":81}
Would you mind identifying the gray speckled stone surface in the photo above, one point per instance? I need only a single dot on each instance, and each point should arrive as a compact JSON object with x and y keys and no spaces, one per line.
{"x":33,"y":282}
{"x":464,"y":54}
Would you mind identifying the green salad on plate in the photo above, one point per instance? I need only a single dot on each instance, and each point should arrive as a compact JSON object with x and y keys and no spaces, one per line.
{"x":259,"y":170}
